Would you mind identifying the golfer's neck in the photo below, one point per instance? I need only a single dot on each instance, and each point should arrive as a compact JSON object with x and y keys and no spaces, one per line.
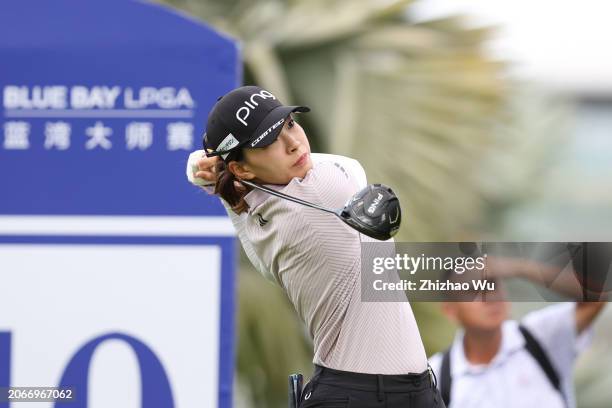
{"x":480,"y":347}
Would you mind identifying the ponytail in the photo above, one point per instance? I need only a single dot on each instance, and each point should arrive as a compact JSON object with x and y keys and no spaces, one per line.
{"x":226,"y":187}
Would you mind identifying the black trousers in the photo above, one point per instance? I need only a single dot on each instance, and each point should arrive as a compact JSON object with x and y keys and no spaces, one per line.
{"x":330,"y":388}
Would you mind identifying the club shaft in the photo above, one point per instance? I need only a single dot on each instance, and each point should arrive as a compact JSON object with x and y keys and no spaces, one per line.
{"x":288,"y":197}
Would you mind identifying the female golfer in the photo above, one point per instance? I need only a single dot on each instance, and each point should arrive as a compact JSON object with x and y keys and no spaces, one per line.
{"x":366,"y":354}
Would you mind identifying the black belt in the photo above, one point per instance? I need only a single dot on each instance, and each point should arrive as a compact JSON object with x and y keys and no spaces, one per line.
{"x":380,"y":383}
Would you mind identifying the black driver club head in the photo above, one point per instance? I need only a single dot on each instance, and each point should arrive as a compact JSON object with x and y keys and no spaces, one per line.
{"x":374,"y":211}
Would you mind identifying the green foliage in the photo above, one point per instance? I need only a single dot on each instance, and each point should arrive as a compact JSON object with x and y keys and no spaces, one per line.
{"x":271,"y":343}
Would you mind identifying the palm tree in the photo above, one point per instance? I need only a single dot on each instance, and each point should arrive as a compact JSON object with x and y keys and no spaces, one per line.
{"x":419,"y":105}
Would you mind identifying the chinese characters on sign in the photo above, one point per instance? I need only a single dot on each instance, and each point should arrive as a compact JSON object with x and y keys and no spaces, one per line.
{"x":57,"y":135}
{"x":138,"y":136}
{"x":16,"y":135}
{"x":100,"y":107}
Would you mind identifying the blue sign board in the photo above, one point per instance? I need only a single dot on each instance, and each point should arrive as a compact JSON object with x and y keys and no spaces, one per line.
{"x":102,"y":101}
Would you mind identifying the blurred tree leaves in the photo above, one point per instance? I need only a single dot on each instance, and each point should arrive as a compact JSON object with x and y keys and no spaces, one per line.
{"x":272,"y":344}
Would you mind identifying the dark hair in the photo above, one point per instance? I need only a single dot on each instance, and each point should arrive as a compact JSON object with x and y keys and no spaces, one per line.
{"x":224,"y":185}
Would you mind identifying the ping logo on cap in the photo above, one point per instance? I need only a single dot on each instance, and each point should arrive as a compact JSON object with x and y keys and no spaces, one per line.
{"x":244,"y":111}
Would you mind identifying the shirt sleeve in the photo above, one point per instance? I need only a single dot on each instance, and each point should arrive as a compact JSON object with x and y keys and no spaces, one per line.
{"x":239,"y":222}
{"x":346,"y":164}
{"x":351,"y":166}
{"x":328,"y":253}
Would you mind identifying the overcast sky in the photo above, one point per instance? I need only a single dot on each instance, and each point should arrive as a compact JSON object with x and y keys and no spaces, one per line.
{"x":563,"y":44}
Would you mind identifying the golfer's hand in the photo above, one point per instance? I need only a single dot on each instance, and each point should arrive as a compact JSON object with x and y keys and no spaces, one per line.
{"x":200,"y":169}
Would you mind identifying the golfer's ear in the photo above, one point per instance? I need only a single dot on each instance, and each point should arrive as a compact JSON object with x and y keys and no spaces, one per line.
{"x":241,"y":170}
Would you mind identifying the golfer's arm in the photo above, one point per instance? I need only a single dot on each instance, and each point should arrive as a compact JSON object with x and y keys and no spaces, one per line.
{"x":238,"y":221}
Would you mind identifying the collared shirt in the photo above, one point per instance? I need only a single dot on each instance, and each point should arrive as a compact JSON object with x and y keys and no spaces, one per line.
{"x":513,"y":378}
{"x":316,"y":259}
{"x":347,"y":164}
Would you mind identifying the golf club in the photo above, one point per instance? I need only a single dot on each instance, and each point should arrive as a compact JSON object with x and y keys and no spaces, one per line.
{"x":374,"y":211}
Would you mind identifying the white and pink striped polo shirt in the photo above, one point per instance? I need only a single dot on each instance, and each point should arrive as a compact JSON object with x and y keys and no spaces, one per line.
{"x":316,"y":259}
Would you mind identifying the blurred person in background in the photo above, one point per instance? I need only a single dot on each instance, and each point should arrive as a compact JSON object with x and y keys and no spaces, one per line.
{"x":497,"y":362}
{"x":368,"y":353}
